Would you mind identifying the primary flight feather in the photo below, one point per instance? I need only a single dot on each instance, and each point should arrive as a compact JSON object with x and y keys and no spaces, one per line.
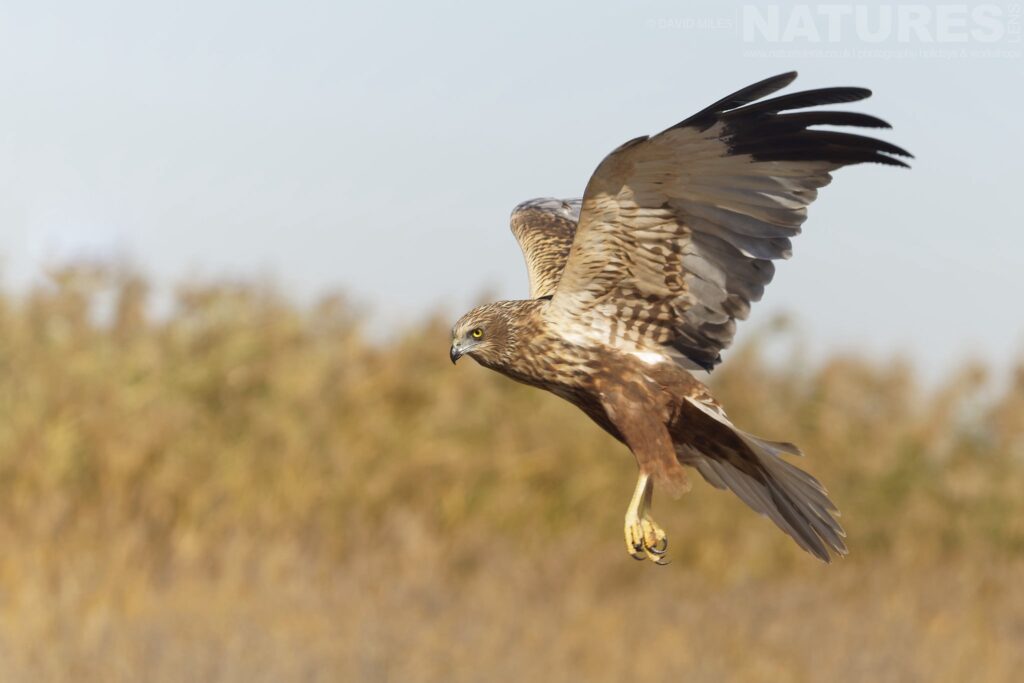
{"x":642,"y":280}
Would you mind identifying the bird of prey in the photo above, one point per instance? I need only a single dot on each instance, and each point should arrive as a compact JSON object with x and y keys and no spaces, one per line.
{"x":641,"y":282}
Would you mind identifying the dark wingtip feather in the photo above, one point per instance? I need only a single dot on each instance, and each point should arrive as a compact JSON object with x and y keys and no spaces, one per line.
{"x":741,"y":97}
{"x":760,"y":130}
{"x":805,"y":119}
{"x":856,"y":141}
{"x":768,"y":140}
{"x":890,"y":161}
{"x":805,"y":98}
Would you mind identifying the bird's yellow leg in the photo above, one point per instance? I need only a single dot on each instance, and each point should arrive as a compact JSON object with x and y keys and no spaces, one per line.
{"x":644,"y":538}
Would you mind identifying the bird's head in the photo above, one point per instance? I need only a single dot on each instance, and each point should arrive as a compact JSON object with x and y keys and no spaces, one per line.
{"x":484,"y":334}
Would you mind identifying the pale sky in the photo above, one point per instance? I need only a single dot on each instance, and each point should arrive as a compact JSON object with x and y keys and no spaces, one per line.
{"x":378,"y":149}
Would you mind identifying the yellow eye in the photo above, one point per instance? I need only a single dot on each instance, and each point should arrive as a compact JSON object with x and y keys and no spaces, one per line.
{"x":477,"y":333}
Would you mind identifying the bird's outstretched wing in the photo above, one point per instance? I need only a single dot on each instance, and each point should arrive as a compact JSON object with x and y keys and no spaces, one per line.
{"x":545,"y":229}
{"x":678,"y":231}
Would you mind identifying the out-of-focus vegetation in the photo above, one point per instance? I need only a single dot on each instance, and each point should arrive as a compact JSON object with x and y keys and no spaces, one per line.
{"x":250,"y":491}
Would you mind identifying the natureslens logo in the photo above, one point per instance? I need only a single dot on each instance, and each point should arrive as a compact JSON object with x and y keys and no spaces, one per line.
{"x":917,"y":24}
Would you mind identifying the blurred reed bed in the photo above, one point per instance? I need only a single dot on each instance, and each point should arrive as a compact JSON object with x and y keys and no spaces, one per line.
{"x":249,"y":490}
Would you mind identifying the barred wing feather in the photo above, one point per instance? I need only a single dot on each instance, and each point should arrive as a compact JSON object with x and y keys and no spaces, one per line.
{"x":677,"y":232}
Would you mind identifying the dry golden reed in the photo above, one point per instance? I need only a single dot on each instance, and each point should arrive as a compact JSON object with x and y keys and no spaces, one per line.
{"x":247,"y":490}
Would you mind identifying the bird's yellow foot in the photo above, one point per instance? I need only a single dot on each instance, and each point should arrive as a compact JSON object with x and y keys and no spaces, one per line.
{"x":644,"y":538}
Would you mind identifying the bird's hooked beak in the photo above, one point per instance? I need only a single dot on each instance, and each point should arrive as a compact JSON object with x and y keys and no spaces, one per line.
{"x":456,"y":352}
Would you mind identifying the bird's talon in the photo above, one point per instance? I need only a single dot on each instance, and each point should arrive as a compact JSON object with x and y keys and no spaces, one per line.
{"x":646,"y":540}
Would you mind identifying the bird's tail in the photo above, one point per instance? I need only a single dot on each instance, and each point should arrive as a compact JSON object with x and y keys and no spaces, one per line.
{"x":754,"y":470}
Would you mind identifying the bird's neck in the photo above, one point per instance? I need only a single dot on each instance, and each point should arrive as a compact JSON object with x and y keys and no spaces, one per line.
{"x":535,"y":354}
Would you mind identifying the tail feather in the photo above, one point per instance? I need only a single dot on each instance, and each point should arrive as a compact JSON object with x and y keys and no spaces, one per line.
{"x":787,"y":495}
{"x":776,"y":446}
